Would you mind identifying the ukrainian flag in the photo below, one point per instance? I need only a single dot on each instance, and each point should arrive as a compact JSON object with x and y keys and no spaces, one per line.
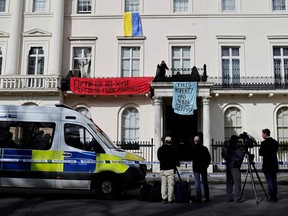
{"x":132,"y":24}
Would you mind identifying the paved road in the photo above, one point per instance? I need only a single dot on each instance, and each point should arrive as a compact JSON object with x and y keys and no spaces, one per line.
{"x":28,"y":202}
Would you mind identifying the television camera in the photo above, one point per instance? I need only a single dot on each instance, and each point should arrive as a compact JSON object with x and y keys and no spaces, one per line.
{"x":247,"y":140}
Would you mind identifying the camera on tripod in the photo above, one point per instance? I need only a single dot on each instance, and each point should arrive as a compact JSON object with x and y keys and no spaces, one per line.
{"x":247,"y":140}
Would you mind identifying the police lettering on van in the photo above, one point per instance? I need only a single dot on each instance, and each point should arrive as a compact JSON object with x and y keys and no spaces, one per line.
{"x":57,"y":147}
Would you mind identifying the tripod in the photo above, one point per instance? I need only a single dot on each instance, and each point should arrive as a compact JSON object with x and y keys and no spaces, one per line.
{"x":251,"y":165}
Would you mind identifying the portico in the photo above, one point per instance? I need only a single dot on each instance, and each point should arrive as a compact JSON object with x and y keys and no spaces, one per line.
{"x":164,"y":90}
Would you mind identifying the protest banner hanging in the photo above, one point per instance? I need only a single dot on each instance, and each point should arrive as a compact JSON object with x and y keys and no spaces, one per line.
{"x":110,"y":86}
{"x":184,"y":97}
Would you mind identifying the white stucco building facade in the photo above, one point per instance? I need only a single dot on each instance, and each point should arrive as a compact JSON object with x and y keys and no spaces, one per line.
{"x":243,"y":43}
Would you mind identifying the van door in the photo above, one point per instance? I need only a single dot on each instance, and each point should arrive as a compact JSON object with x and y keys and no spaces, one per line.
{"x":79,"y":156}
{"x":29,"y":162}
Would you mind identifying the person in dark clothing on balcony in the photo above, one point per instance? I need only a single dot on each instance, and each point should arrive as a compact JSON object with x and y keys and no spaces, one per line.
{"x":168,"y":158}
{"x":268,"y":150}
{"x":161,"y":71}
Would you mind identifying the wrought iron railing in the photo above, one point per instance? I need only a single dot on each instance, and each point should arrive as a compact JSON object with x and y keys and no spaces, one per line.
{"x":141,"y":148}
{"x":29,"y":82}
{"x":219,"y":166}
{"x":257,"y":82}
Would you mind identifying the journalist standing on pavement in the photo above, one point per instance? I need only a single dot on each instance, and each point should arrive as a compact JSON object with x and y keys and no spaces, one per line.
{"x":201,"y":160}
{"x":233,"y":155}
{"x":268,"y":150}
{"x":168,"y":161}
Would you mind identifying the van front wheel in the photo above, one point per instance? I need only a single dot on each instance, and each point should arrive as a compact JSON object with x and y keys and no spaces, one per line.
{"x":106,"y":188}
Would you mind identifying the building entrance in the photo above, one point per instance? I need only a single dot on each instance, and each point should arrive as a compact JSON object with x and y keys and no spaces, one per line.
{"x":182,"y":129}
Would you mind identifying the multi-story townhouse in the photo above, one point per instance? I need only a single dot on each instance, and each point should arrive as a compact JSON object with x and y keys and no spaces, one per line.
{"x":243,"y":43}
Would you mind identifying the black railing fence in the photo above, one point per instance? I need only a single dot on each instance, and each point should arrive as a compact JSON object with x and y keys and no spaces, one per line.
{"x":141,"y":148}
{"x":219,"y":165}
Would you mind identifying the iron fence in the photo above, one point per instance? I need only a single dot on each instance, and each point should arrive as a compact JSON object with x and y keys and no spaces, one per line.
{"x":141,"y":148}
{"x":219,"y":162}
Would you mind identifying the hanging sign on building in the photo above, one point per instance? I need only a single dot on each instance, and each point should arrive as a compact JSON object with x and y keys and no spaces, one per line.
{"x":110,"y":86}
{"x":184,"y":97}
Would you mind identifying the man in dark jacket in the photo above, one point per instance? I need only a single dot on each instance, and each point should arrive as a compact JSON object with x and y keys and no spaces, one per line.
{"x":233,"y":155}
{"x":268,"y":150}
{"x":168,"y":162}
{"x":201,"y":160}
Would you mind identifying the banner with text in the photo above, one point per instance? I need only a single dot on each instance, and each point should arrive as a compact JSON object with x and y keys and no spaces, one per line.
{"x":110,"y":86}
{"x":184,"y":97}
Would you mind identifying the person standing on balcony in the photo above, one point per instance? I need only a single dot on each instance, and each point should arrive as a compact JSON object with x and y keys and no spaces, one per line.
{"x":201,"y":160}
{"x":161,"y":71}
{"x":233,"y":155}
{"x":268,"y":150}
{"x":168,"y":158}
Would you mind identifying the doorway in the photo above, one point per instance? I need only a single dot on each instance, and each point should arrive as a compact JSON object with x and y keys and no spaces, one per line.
{"x":182,"y":129}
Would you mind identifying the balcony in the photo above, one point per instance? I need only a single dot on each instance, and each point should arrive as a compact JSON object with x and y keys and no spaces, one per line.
{"x":248,"y":83}
{"x":15,"y":84}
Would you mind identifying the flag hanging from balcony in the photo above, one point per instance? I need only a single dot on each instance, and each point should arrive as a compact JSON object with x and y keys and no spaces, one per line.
{"x":184,"y":97}
{"x":132,"y":24}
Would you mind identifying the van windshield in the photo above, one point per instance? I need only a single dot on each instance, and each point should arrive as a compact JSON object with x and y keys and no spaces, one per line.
{"x":101,"y":134}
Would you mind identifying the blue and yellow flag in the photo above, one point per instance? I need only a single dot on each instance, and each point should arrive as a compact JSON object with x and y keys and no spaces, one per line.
{"x":132,"y":24}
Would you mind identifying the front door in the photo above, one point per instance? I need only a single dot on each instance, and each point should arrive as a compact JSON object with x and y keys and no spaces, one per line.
{"x":182,"y":129}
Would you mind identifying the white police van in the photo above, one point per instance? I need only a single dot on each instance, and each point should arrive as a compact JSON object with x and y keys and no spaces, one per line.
{"x":58,"y":147}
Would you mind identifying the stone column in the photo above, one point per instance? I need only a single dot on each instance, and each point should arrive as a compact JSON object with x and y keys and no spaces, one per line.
{"x":13,"y":50}
{"x":206,"y":122}
{"x":57,"y":38}
{"x":206,"y":125}
{"x":157,"y":129}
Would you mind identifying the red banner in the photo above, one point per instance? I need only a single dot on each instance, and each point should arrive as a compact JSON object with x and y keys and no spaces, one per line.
{"x":110,"y":86}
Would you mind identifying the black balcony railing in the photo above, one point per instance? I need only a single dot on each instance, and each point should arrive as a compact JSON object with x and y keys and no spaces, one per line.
{"x":249,"y":83}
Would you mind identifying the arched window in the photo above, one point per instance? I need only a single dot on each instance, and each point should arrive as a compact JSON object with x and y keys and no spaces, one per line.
{"x":84,"y":111}
{"x":232,"y":122}
{"x":282,"y":124}
{"x":130,"y":125}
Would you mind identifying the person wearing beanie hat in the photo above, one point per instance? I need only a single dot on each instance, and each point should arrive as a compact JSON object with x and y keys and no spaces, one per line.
{"x":168,"y":162}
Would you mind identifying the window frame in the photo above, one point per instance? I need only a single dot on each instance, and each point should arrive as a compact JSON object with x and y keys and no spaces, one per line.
{"x":275,"y":10}
{"x":83,"y":42}
{"x":231,"y":57}
{"x":238,"y":7}
{"x":5,"y":7}
{"x":139,"y":6}
{"x":84,"y":12}
{"x":281,"y":139}
{"x":232,"y":41}
{"x":131,"y":59}
{"x":121,"y":123}
{"x":181,"y":41}
{"x":27,"y":46}
{"x":131,"y":42}
{"x":189,"y":7}
{"x":282,"y":58}
{"x":238,"y":127}
{"x":82,"y":58}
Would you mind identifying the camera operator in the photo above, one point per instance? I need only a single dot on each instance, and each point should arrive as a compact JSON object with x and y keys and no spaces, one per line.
{"x":268,"y":150}
{"x":233,"y":155}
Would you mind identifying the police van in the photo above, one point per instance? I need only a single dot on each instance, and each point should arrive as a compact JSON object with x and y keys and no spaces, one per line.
{"x":60,"y":148}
